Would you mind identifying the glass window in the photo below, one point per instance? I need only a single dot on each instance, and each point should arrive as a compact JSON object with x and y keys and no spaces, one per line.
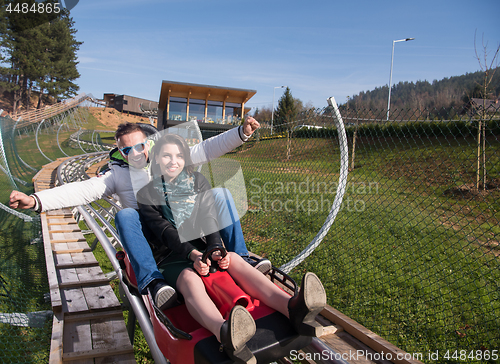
{"x":233,"y":113}
{"x":214,"y":112}
{"x":178,"y":108}
{"x":196,"y":110}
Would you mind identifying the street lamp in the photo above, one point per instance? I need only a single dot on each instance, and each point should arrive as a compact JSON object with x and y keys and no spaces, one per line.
{"x":272,"y":112}
{"x":390,"y":79}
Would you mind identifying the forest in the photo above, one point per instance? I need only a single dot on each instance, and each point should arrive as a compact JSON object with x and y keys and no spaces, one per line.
{"x":453,"y":92}
{"x":439,"y":96}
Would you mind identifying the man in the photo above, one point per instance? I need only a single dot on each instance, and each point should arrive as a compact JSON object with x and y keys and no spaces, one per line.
{"x":129,"y":171}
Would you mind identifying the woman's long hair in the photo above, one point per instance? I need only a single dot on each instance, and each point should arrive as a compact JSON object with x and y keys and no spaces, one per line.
{"x":183,"y":147}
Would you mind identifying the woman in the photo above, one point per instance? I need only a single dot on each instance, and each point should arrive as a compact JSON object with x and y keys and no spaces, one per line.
{"x":178,"y":203}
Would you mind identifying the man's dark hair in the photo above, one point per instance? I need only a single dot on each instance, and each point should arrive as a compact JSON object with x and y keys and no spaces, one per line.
{"x":127,"y":128}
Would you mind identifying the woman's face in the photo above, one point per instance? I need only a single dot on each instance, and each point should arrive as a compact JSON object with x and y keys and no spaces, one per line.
{"x":171,"y":161}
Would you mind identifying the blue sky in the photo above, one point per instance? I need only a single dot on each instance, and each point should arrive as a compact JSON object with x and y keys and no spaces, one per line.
{"x":317,"y":48}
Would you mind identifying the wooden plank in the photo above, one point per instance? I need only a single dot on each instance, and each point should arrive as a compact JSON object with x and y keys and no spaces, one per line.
{"x":101,"y":297}
{"x":88,"y":325}
{"x":83,"y":257}
{"x":75,"y":260}
{"x":91,"y":354}
{"x":122,"y":359}
{"x":67,"y":275}
{"x":77,"y":339}
{"x":367,"y":337}
{"x":62,"y":221}
{"x":83,"y":245}
{"x":59,"y":213}
{"x":90,"y":273}
{"x":64,"y":228}
{"x":94,"y":315}
{"x":55,"y":295}
{"x":352,"y":350}
{"x":67,"y":237}
{"x":111,"y":335}
{"x":92,"y":282}
{"x":73,"y":247}
{"x":75,"y":265}
{"x":64,"y":251}
{"x":73,"y":301}
{"x":56,"y":346}
{"x":62,"y":259}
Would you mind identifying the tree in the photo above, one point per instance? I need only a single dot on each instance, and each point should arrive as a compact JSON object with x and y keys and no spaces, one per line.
{"x":59,"y":80}
{"x":489,"y":71}
{"x":286,"y":112}
{"x":263,"y":115}
{"x":38,"y":52}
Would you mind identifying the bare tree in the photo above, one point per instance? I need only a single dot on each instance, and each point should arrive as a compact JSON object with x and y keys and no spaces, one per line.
{"x":489,"y":71}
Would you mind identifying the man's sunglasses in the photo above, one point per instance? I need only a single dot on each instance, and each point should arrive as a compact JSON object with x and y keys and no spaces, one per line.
{"x":138,"y":148}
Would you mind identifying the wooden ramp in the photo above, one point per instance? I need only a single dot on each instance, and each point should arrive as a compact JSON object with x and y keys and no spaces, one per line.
{"x":88,"y":325}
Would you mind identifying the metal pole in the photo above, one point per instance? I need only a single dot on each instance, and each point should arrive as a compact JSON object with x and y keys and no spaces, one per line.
{"x":390,"y":78}
{"x":390,"y":81}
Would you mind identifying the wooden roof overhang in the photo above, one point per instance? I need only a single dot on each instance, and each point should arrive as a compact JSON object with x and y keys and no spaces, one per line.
{"x":203,"y":92}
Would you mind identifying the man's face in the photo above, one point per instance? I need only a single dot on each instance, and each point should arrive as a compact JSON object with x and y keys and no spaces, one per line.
{"x":138,"y":155}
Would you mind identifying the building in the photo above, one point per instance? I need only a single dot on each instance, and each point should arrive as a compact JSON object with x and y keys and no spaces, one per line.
{"x":213,"y":107}
{"x":130,"y":104}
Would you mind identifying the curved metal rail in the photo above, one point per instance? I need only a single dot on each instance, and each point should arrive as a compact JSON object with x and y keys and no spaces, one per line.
{"x":344,"y":162}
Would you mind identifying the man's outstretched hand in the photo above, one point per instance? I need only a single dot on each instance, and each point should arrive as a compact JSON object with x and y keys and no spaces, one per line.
{"x":19,"y":200}
{"x":250,"y":125}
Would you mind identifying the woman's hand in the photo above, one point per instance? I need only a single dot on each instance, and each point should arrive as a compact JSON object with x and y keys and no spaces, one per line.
{"x":199,"y":266}
{"x":224,"y":262}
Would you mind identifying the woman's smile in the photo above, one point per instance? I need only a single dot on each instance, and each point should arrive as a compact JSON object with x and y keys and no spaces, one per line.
{"x":171,"y":161}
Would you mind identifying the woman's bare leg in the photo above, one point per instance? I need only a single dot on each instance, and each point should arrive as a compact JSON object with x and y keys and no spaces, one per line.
{"x":257,"y":285}
{"x":198,"y":303}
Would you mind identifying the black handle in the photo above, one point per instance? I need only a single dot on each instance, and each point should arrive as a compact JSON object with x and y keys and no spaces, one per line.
{"x":213,"y":263}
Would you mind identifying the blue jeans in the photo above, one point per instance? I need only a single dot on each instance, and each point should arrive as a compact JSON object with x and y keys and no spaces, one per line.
{"x":228,"y":218}
{"x":129,"y":226}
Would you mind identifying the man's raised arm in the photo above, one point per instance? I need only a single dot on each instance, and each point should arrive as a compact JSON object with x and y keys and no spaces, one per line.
{"x":221,"y":144}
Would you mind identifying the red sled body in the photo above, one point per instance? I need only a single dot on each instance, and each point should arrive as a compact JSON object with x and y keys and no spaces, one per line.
{"x":182,"y":340}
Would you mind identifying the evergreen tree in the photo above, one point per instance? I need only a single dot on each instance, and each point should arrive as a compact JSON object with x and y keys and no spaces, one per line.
{"x":60,"y":77}
{"x":286,"y":112}
{"x":38,"y":54}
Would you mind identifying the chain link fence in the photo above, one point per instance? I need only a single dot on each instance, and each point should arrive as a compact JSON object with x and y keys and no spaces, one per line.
{"x":413,"y":253}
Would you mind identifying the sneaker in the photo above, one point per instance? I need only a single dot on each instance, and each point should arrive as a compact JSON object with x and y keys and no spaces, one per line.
{"x":262,"y":265}
{"x":163,"y":295}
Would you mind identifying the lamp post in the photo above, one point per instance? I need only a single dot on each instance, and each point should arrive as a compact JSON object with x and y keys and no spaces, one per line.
{"x":390,"y":79}
{"x":272,"y":112}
